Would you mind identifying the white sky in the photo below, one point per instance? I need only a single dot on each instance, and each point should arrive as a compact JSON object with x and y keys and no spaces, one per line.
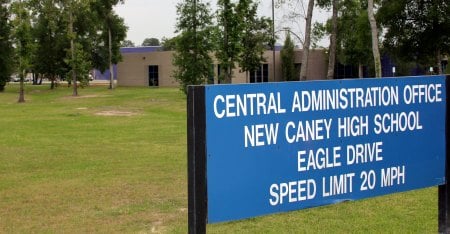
{"x":157,"y":18}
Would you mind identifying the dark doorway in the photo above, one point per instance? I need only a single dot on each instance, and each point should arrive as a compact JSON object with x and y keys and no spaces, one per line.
{"x":153,"y":76}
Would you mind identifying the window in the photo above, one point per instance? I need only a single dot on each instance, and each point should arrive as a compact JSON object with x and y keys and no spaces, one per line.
{"x":153,"y":76}
{"x":260,"y":75}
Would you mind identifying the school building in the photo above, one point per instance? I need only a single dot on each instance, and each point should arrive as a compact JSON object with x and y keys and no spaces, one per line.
{"x":150,"y":66}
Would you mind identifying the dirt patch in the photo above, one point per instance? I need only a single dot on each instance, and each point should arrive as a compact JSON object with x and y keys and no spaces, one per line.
{"x":116,"y":113}
{"x":86,"y":96}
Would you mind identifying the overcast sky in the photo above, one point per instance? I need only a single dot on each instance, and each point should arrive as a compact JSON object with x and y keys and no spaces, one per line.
{"x":157,"y":18}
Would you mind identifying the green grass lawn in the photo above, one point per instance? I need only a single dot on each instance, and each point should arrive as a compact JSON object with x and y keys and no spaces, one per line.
{"x":115,"y":162}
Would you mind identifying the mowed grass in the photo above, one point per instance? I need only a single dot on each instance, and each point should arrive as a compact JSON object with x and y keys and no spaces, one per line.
{"x":115,"y":162}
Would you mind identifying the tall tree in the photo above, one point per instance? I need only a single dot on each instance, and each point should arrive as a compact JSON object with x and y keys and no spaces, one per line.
{"x":23,"y":41}
{"x":80,"y":29}
{"x":417,"y":30}
{"x":114,"y":30}
{"x":306,"y":44}
{"x":256,"y":36}
{"x":355,"y":37}
{"x":288,"y":60}
{"x":193,"y":45}
{"x":353,"y":42}
{"x":72,"y":37}
{"x":151,"y":42}
{"x":334,"y":5}
{"x":50,"y":35}
{"x":6,"y":49}
{"x":374,"y":32}
{"x":333,"y":40}
{"x":229,"y":38}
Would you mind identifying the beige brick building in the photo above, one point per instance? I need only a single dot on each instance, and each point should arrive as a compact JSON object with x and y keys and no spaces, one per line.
{"x":149,"y":66}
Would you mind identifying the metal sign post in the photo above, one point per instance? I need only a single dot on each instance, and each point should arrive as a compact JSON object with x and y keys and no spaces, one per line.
{"x":444,"y":193}
{"x":197,"y":201}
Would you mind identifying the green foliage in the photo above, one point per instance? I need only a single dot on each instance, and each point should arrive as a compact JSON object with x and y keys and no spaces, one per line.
{"x":100,"y":53}
{"x":354,"y":36}
{"x":151,"y":42}
{"x":230,"y":29}
{"x":22,"y":36}
{"x":416,"y":30}
{"x":50,"y":34}
{"x":256,"y":36}
{"x":288,"y":60}
{"x":242,"y":37}
{"x":107,"y":21}
{"x":193,"y":45}
{"x":80,"y":64}
{"x":127,"y":43}
{"x":6,"y":48}
{"x":168,"y":44}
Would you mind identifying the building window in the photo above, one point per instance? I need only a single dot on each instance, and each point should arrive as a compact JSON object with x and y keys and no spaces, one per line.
{"x":153,"y":76}
{"x":260,"y":75}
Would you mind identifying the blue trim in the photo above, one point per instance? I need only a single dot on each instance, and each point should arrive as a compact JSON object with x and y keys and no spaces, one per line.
{"x":143,"y":49}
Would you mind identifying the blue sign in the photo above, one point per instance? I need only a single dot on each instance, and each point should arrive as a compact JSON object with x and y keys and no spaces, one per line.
{"x":278,"y":147}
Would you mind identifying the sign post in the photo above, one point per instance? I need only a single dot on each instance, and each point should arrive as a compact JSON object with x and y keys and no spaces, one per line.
{"x":197,"y":200}
{"x":257,"y":149}
{"x":444,"y":193}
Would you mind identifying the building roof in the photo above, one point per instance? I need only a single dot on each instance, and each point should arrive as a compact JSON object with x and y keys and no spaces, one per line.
{"x":142,"y":49}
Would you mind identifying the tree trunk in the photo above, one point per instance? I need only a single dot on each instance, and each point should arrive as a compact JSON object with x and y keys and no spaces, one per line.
{"x":306,"y":45}
{"x":438,"y":62}
{"x":360,"y":71}
{"x":332,"y":54}
{"x":72,"y":51}
{"x":374,"y":31}
{"x":22,"y":88}
{"x":2,"y":88}
{"x":111,"y":72}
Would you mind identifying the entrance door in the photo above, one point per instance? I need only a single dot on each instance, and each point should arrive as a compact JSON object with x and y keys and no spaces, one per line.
{"x":153,"y":77}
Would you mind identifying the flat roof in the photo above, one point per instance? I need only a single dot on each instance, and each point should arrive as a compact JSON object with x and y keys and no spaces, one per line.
{"x":141,"y":49}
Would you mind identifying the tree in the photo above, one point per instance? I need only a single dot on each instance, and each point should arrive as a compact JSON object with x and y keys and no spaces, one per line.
{"x":305,"y":57}
{"x":77,"y":27}
{"x":242,"y":37}
{"x":374,"y":32}
{"x":23,"y":42}
{"x":229,"y":38}
{"x":417,"y":30}
{"x":6,"y":49}
{"x":333,"y":36}
{"x":288,"y":59}
{"x":168,"y":44}
{"x":80,"y":66}
{"x":113,"y":31}
{"x":50,"y":35}
{"x":353,"y":42}
{"x":151,"y":42}
{"x":193,"y":45}
{"x":127,"y":43}
{"x":256,"y":36}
